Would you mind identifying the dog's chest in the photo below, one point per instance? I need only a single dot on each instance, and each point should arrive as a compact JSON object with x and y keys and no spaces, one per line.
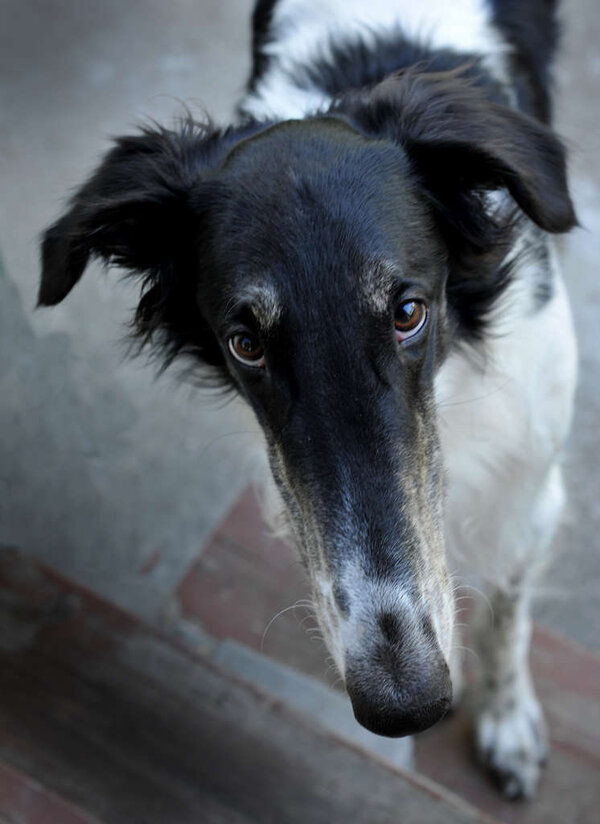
{"x":503,"y":418}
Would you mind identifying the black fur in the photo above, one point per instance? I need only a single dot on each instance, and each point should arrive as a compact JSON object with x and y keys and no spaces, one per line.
{"x":533,"y":31}
{"x":138,"y":212}
{"x":261,"y":27}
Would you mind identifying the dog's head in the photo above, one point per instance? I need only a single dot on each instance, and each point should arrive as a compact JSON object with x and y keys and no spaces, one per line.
{"x":324,"y":268}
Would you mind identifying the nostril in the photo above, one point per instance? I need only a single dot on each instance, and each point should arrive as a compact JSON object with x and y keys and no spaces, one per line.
{"x":390,"y":627}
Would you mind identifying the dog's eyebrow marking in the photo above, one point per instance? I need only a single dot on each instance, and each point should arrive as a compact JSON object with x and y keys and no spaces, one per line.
{"x":264,"y":301}
{"x":377,"y":282}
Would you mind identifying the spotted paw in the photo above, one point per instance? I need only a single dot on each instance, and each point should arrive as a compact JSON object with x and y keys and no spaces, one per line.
{"x":512,"y":744}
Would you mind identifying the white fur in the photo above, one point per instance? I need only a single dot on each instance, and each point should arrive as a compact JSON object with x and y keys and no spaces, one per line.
{"x":510,"y":732}
{"x":503,"y":422}
{"x":277,"y":97}
{"x":303,"y":29}
{"x":511,"y":739}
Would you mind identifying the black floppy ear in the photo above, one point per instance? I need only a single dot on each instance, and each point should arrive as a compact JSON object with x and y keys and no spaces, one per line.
{"x":461,"y":142}
{"x":133,"y":211}
{"x":147,"y":208}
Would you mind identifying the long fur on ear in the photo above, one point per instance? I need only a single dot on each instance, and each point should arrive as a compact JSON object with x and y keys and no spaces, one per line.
{"x":463,"y":145}
{"x":132,"y":212}
{"x":461,"y":142}
{"x":143,"y":209}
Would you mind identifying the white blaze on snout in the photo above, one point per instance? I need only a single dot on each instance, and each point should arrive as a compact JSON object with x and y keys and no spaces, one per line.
{"x":353,"y":631}
{"x":350,"y":622}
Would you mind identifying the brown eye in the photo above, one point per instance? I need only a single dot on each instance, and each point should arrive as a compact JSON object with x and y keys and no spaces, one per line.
{"x":409,"y":319}
{"x":247,"y":349}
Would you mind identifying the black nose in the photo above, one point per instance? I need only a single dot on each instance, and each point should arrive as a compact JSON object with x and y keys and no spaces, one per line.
{"x":397,"y":717}
{"x":399,"y":697}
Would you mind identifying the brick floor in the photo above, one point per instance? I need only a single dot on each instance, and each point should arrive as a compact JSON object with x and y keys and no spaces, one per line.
{"x":242,"y":579}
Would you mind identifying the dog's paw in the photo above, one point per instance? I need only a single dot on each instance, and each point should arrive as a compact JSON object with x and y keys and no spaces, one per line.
{"x":512,"y":744}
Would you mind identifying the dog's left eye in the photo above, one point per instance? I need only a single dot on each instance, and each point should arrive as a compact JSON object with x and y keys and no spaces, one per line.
{"x":247,"y":349}
{"x":410,"y":317}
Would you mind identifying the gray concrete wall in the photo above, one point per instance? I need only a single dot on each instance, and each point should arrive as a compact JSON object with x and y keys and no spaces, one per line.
{"x":103,"y":467}
{"x":104,"y":471}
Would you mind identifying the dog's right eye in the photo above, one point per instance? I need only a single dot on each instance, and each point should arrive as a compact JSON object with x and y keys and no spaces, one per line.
{"x":247,"y":349}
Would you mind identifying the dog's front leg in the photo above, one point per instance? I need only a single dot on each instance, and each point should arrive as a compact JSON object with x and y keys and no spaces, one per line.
{"x":510,"y":730}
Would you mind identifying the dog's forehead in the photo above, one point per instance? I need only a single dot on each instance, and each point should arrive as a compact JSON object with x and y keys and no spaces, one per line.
{"x":326,"y":151}
{"x":273,"y":299}
{"x":319,"y":216}
{"x":299,"y":138}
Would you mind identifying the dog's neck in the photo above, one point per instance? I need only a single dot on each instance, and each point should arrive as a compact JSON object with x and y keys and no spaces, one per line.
{"x":301,"y":61}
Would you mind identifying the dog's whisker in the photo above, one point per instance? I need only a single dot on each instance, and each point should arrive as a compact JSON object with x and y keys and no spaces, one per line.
{"x":223,"y":436}
{"x":450,"y":403}
{"x":303,"y":621}
{"x":461,"y":648}
{"x":272,"y":621}
{"x":479,"y":593}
